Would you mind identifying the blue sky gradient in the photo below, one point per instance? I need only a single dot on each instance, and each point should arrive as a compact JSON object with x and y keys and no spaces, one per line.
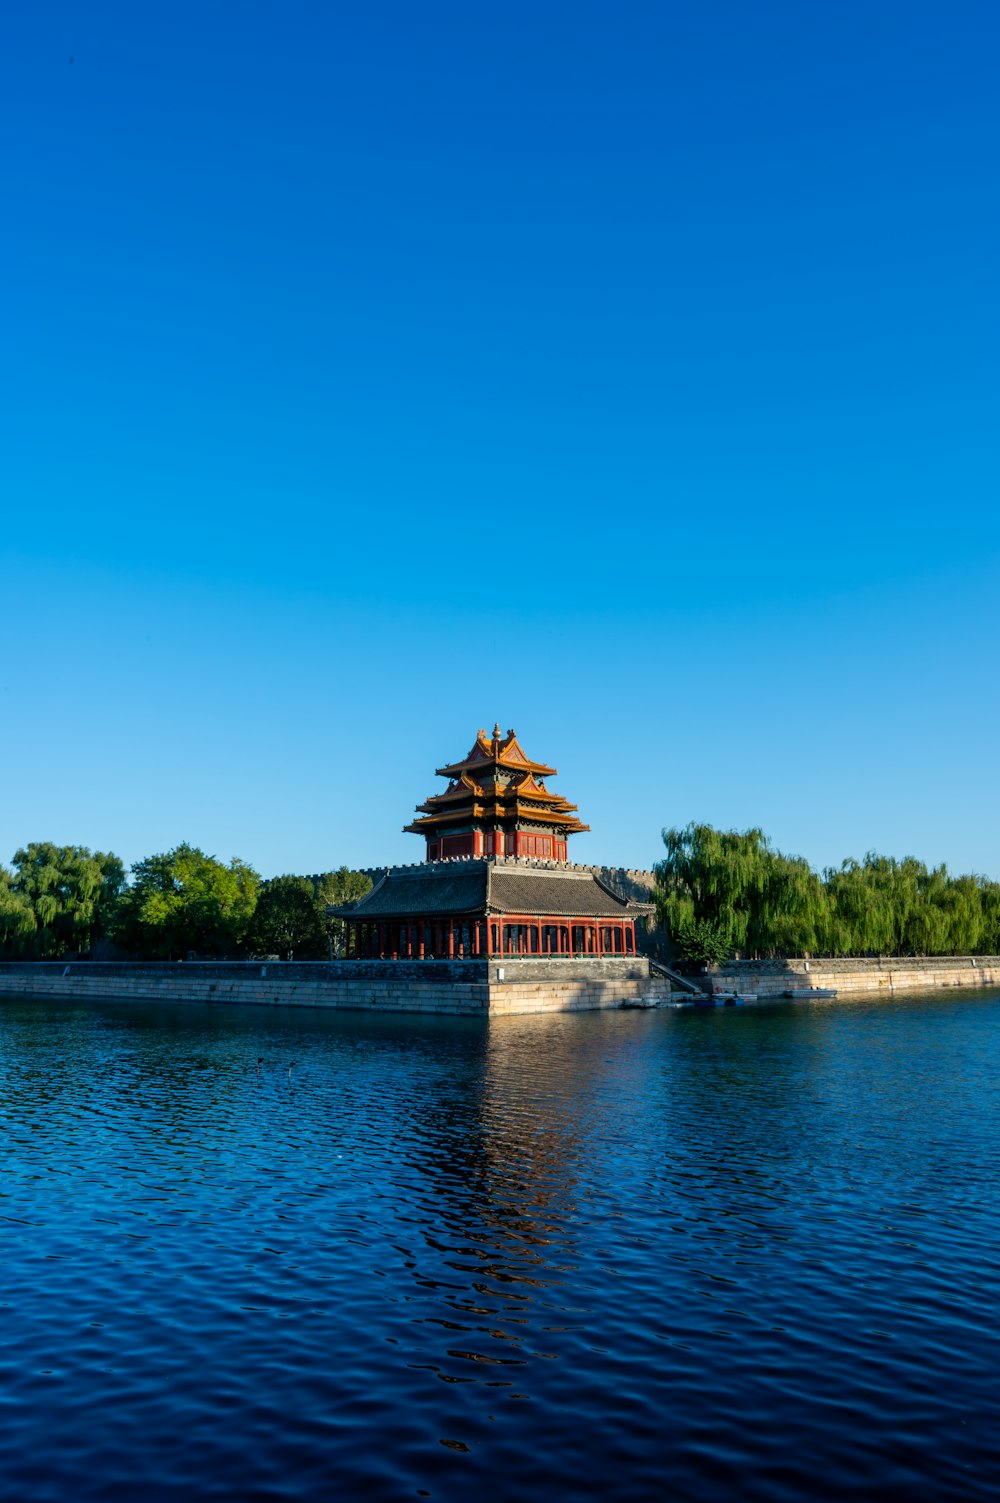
{"x":628,"y":374}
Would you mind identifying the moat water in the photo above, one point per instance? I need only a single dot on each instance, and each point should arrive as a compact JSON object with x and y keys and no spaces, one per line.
{"x":699,"y":1254}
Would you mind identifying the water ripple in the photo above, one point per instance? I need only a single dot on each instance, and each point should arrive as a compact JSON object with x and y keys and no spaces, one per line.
{"x":755,"y":1252}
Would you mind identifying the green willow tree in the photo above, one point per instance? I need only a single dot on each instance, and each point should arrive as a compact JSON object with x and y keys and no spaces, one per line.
{"x":17,"y":918}
{"x":710,"y":888}
{"x":59,"y":900}
{"x":722,"y":892}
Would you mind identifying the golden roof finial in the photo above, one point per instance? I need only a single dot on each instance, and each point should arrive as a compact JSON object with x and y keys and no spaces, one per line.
{"x":496,"y":731}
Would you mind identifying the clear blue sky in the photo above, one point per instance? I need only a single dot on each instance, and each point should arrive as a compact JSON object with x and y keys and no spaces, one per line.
{"x":626,"y":373}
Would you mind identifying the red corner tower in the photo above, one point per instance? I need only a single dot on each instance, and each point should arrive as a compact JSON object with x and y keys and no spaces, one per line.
{"x":496,"y":804}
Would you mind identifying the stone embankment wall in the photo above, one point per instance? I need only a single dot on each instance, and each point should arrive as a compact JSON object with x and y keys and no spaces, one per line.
{"x":470,"y":988}
{"x":885,"y":974}
{"x":574,"y":986}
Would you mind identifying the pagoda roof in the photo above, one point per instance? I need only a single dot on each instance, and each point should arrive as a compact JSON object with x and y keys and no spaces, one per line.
{"x":487,"y":885}
{"x":528,"y":787}
{"x":559,"y":817}
{"x":496,"y":751}
{"x":525,"y":799}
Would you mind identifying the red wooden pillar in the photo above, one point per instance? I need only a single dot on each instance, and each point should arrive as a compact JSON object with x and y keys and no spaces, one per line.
{"x":420,"y":939}
{"x":451,"y":939}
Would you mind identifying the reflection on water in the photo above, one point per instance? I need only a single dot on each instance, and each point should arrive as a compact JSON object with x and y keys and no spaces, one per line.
{"x":704,"y":1253}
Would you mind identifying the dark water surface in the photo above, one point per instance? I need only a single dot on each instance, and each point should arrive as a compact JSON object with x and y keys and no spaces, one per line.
{"x":688,"y":1254}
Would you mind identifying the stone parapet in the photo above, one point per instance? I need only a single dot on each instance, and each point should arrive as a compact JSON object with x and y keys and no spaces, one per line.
{"x":886,"y":974}
{"x":570,"y":968}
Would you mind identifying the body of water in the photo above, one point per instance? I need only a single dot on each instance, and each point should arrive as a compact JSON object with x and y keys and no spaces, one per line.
{"x":695,"y":1254}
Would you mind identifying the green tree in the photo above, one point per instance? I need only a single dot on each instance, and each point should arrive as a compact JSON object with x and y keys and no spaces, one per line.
{"x":718,"y":886}
{"x":871,"y":902}
{"x":183,"y":900}
{"x":289,"y":921}
{"x":333,"y":889}
{"x":704,"y":942}
{"x":989,"y":905}
{"x":71,"y":893}
{"x":17,"y":920}
{"x":714,"y":877}
{"x":791,"y":915}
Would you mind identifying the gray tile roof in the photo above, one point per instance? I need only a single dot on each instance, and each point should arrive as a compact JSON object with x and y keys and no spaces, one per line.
{"x":478,"y":887}
{"x":551,"y":892}
{"x":434,"y":889}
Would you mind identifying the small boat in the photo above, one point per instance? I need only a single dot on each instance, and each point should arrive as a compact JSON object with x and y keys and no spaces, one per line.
{"x":810,"y":991}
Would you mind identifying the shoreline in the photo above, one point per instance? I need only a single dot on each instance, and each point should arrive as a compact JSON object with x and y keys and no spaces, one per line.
{"x":500,"y":986}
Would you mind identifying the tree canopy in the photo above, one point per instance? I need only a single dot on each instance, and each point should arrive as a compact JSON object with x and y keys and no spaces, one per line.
{"x":722,"y":892}
{"x":183,"y":900}
{"x":58,"y":900}
{"x":333,"y":889}
{"x":288,"y":921}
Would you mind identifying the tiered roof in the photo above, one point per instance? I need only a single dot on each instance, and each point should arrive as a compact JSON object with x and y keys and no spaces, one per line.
{"x":496,"y":784}
{"x":494,"y":885}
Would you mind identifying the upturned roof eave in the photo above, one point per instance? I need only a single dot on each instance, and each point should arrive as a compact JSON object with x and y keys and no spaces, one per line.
{"x":472,"y":763}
